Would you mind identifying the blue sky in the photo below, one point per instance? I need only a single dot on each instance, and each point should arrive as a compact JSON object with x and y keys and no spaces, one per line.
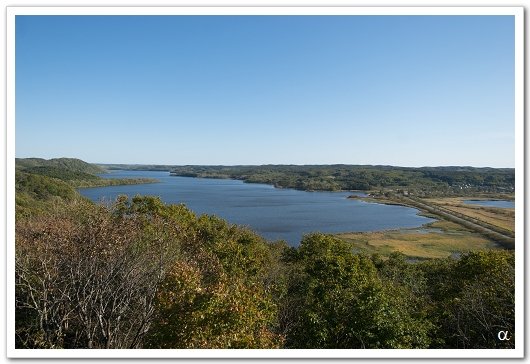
{"x":393,"y":90}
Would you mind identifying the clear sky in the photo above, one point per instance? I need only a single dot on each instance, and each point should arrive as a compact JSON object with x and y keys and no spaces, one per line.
{"x":394,"y":90}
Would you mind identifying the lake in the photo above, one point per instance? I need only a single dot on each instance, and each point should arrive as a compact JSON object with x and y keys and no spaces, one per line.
{"x":492,"y":203}
{"x":273,"y":213}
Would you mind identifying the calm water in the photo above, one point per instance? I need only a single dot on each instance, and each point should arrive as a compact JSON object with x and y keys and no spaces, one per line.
{"x":493,"y":203}
{"x":274,"y":213}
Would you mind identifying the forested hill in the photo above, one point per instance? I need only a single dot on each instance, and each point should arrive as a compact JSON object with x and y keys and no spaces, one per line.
{"x":422,"y":181}
{"x":67,"y":164}
{"x":40,"y":182}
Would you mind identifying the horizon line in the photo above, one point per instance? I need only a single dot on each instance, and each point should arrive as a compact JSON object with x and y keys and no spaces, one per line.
{"x":271,"y":164}
{"x":299,"y":165}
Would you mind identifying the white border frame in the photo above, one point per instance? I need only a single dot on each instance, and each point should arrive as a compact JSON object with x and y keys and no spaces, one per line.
{"x":264,"y":10}
{"x":518,"y":352}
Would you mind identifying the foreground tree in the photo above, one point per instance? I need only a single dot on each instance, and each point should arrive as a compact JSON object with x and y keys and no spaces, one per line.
{"x":474,"y":299}
{"x":219,"y":295}
{"x":91,"y":276}
{"x":338,"y":301}
{"x":85,"y":278}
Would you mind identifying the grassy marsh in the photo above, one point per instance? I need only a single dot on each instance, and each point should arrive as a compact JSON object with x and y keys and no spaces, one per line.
{"x":439,"y":239}
{"x":500,"y":217}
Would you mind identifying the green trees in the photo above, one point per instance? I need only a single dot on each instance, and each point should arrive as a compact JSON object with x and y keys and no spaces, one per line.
{"x":337,"y":299}
{"x":59,"y":177}
{"x":217,"y":311}
{"x":217,"y":294}
{"x":428,"y":181}
{"x":64,"y":164}
{"x":37,"y":187}
{"x":474,"y":299}
{"x":340,"y":301}
{"x":38,"y":194}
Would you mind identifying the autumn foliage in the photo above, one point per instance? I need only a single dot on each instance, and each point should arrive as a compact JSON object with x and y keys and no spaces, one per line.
{"x":138,"y":273}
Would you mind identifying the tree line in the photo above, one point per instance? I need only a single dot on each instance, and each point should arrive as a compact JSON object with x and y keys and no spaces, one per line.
{"x":426,"y":181}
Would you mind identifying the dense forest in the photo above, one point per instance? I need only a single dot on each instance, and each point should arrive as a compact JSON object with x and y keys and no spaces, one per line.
{"x":39,"y":182}
{"x":67,"y":165}
{"x":426,"y":181}
{"x":139,"y":273}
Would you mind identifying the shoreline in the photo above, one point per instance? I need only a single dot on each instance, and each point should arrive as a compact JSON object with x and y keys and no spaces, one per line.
{"x":422,"y":207}
{"x":121,"y":182}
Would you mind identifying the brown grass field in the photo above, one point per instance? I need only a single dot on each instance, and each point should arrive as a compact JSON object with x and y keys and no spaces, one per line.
{"x":503,"y":218}
{"x":439,"y":239}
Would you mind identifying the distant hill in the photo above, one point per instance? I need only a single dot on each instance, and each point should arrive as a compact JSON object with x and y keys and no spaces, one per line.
{"x":426,"y":181}
{"x":40,"y":183}
{"x":70,"y":164}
